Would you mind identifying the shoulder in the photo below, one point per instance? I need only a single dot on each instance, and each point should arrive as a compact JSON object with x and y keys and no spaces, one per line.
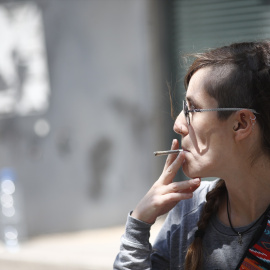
{"x":195,"y":204}
{"x":199,"y":194}
{"x":181,"y":221}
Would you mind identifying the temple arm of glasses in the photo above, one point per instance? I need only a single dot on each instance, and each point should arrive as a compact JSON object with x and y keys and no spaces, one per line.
{"x":222,"y":109}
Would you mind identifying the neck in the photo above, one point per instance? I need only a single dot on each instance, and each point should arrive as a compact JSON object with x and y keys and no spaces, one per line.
{"x":248,"y":194}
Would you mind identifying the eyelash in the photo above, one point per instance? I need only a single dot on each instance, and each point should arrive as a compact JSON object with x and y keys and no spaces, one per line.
{"x":192,"y":108}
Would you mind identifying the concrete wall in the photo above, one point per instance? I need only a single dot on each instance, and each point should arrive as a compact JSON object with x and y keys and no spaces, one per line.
{"x":108,"y":111}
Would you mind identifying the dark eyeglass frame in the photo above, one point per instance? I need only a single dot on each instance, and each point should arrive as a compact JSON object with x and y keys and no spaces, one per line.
{"x":187,"y":111}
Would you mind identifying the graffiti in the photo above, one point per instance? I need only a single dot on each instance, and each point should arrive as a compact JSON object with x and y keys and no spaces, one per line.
{"x":24,"y":87}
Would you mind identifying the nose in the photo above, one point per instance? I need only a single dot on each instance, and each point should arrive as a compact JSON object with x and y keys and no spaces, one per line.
{"x":180,"y":125}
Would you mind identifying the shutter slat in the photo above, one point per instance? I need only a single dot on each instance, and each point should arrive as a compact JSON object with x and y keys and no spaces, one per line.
{"x":199,"y":25}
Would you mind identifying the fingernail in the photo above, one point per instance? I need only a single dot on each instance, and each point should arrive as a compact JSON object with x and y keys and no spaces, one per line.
{"x":173,"y":142}
{"x":196,"y":181}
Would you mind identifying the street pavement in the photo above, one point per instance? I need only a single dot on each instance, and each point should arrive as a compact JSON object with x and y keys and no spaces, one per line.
{"x":83,"y":250}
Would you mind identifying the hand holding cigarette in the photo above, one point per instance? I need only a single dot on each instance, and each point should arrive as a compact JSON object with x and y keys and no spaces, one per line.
{"x":165,"y":193}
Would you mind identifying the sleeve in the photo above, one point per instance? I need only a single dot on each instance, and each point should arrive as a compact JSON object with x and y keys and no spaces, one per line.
{"x":170,"y":246}
{"x":136,"y":250}
{"x":160,"y":256}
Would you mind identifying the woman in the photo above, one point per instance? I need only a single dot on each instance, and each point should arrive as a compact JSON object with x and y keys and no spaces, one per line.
{"x":225,"y":129}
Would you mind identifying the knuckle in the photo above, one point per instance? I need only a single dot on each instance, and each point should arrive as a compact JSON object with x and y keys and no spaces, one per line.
{"x":168,"y":198}
{"x":171,"y":196}
{"x":174,"y":187}
{"x":171,"y":172}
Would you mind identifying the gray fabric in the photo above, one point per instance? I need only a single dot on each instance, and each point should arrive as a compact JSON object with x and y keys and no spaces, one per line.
{"x":220,"y":245}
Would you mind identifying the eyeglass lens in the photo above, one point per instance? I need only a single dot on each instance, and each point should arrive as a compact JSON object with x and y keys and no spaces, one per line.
{"x":185,"y":109}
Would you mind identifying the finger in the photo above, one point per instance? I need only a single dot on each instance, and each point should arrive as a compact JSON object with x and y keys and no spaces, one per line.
{"x":168,"y":175}
{"x":171,"y":157}
{"x":183,"y":186}
{"x":175,"y":197}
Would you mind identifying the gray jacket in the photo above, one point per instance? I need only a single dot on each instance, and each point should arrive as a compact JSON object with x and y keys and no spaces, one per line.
{"x":220,"y":244}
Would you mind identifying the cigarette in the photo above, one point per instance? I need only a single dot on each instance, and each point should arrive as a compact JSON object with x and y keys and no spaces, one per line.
{"x":160,"y":153}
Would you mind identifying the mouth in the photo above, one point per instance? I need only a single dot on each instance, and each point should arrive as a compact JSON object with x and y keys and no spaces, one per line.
{"x":184,"y":149}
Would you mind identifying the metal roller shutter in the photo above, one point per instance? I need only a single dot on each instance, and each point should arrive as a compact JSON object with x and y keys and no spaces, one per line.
{"x":198,"y":25}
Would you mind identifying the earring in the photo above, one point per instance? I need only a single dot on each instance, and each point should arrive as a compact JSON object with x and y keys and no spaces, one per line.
{"x":253,"y":121}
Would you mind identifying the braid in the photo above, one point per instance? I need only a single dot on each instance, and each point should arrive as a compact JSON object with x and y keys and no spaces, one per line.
{"x":194,"y":256}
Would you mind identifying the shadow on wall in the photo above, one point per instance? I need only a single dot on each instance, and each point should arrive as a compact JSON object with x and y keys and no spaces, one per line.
{"x":99,"y":161}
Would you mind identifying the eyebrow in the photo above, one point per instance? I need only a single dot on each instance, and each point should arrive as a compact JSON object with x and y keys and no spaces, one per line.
{"x":193,"y":102}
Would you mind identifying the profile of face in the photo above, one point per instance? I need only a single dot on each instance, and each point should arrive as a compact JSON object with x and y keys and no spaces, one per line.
{"x":207,"y":140}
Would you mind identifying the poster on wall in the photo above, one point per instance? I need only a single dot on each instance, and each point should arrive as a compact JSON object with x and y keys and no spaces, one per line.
{"x":24,"y":82}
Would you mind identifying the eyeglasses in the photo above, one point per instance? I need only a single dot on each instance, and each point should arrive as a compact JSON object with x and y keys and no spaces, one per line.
{"x":187,"y":111}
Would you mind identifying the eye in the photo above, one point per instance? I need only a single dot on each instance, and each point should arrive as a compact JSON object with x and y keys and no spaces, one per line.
{"x":192,"y":108}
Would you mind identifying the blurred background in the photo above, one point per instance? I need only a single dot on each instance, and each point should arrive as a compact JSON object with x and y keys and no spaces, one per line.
{"x":84,"y":103}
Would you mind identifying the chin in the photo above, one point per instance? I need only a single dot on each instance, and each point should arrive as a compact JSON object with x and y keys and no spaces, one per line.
{"x":193,"y":172}
{"x":189,"y":172}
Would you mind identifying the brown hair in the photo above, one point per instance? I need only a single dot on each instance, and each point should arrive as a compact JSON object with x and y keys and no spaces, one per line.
{"x":240,"y":78}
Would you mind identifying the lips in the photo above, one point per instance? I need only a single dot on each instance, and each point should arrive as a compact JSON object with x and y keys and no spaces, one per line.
{"x":184,"y":149}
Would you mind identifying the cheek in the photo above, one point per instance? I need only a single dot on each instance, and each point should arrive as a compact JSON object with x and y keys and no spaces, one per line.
{"x":200,"y":139}
{"x":207,"y":139}
{"x":209,"y":145}
{"x":206,"y":165}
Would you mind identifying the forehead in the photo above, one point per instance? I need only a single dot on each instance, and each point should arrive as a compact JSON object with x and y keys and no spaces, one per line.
{"x":197,"y":88}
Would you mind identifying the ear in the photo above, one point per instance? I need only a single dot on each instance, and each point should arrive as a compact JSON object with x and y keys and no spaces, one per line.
{"x":243,"y":124}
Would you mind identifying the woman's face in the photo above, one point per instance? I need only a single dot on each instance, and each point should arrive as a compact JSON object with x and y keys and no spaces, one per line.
{"x":207,"y":141}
